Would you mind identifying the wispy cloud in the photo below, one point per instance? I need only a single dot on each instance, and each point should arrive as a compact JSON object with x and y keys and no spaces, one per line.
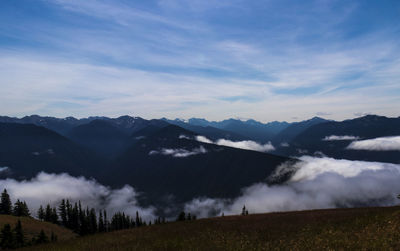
{"x":3,"y":168}
{"x":213,"y":59}
{"x":245,"y":144}
{"x":180,"y":152}
{"x":342,"y":137}
{"x":377,"y":144}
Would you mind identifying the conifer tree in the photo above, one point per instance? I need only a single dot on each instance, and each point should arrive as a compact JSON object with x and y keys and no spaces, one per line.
{"x":106,"y":225}
{"x":101,"y":222}
{"x":48,"y":213}
{"x":41,"y":238}
{"x":20,"y":209}
{"x":75,"y":218}
{"x":138,"y":221}
{"x":5,"y":203}
{"x":53,"y":237}
{"x":19,"y":235}
{"x":181,"y":216}
{"x":26,"y":210}
{"x":7,"y":238}
{"x":54,"y":216}
{"x":68,"y":207}
{"x":92,"y":221}
{"x":62,"y":208}
{"x":41,"y":213}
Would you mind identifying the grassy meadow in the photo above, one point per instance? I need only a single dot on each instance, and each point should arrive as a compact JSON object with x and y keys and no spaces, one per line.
{"x":32,"y":227}
{"x":332,"y":229}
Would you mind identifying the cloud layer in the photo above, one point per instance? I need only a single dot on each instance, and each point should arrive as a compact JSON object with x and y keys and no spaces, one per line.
{"x":317,"y":183}
{"x":344,"y":137}
{"x":51,"y":188}
{"x":377,"y":144}
{"x":245,"y":144}
{"x":179,"y":153}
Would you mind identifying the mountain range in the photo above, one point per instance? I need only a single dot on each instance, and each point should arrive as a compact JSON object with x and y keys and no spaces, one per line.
{"x":165,"y":158}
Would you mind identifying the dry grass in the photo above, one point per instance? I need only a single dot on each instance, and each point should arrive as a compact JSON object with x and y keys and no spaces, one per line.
{"x":338,"y":229}
{"x":32,"y":227}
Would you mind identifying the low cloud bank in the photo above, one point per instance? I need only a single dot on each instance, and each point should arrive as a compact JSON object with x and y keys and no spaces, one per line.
{"x":316,"y":183}
{"x":179,"y":153}
{"x":245,"y":144}
{"x":51,"y":188}
{"x":377,"y":144}
{"x":344,"y":137}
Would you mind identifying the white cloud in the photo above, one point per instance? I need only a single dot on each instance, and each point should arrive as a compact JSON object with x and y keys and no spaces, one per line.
{"x":3,"y":168}
{"x":344,"y":137}
{"x":317,"y":183}
{"x":284,"y":144}
{"x":179,"y":153}
{"x":183,"y":137}
{"x":51,"y":188}
{"x":245,"y":144}
{"x":377,"y":144}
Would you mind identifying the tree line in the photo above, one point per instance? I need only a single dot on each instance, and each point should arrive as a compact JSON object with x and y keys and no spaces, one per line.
{"x":71,"y":215}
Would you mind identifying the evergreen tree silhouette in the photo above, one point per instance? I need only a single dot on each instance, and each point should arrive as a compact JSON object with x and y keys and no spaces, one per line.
{"x":40,"y":213}
{"x":19,"y":235}
{"x":7,"y":238}
{"x":41,"y":238}
{"x":62,"y":208}
{"x":5,"y":203}
{"x":101,"y":222}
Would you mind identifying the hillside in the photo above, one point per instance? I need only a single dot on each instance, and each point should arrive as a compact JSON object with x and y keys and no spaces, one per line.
{"x":349,"y":229}
{"x":28,"y":149}
{"x":367,"y":127}
{"x":164,"y":163}
{"x":32,"y":227}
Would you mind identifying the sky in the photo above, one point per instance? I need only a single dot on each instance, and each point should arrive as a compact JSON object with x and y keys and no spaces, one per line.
{"x":262,"y":59}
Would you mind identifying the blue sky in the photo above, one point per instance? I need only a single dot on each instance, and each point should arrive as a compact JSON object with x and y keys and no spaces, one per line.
{"x":267,"y":60}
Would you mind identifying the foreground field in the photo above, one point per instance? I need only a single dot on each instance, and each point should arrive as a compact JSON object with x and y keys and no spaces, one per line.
{"x":32,"y":227}
{"x":348,"y":229}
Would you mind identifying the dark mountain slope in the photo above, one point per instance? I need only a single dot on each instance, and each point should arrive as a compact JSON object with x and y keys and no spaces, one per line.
{"x":100,"y":136}
{"x":207,"y":170}
{"x":295,"y":129}
{"x":367,"y":127}
{"x":235,"y":129}
{"x":61,"y":126}
{"x":208,"y":131}
{"x":28,"y":149}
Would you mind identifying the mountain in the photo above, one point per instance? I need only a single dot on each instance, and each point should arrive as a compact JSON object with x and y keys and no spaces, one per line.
{"x":28,"y":149}
{"x":239,"y":130}
{"x":130,"y":124}
{"x":295,"y":129}
{"x":207,"y":130}
{"x":367,"y":127}
{"x":170,"y":165}
{"x":63,"y":126}
{"x":101,"y":136}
